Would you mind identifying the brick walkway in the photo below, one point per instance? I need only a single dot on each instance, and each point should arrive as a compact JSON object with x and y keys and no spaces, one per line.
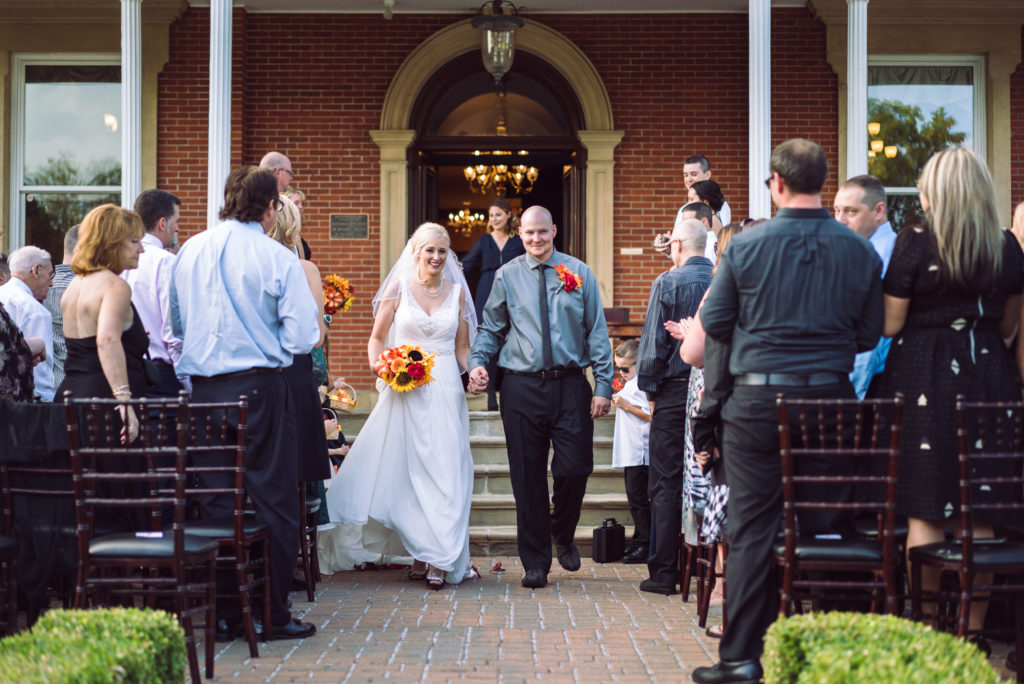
{"x":593,"y":625}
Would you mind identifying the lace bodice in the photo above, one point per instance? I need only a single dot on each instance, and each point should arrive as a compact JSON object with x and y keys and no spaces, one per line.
{"x":434,"y":333}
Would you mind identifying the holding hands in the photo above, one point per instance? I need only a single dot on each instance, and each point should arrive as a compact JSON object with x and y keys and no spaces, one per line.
{"x":478,"y":380}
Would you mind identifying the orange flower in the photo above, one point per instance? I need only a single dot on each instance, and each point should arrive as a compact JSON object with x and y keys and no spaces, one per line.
{"x":570,"y":281}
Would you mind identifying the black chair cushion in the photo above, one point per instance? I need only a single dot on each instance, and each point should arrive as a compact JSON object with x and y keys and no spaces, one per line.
{"x":221,"y":529}
{"x":8,"y":547}
{"x":986,"y":552}
{"x":867,"y":528}
{"x":127,"y":545}
{"x":840,"y":550}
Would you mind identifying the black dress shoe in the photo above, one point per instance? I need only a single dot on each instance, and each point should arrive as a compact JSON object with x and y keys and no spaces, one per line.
{"x":535,"y":579}
{"x":293,"y":629}
{"x":730,"y":671}
{"x":568,"y":556}
{"x":638,"y":554}
{"x":653,"y":587}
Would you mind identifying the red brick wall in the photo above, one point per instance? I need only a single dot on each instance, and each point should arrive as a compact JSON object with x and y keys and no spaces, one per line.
{"x":1017,"y":132}
{"x":312,"y":86}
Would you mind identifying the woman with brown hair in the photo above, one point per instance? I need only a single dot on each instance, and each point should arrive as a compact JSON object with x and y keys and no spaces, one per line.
{"x":489,"y":253}
{"x":106,"y":342}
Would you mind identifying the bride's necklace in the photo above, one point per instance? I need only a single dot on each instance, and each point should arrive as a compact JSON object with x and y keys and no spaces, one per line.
{"x":430,"y":293}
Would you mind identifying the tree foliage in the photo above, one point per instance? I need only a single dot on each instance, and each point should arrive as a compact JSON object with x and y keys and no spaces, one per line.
{"x":918,"y":139}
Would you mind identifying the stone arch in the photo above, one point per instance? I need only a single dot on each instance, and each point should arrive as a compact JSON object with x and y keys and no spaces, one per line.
{"x":598,"y":135}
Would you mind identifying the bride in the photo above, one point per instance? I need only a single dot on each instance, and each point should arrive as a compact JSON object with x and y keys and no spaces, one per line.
{"x":405,"y":486}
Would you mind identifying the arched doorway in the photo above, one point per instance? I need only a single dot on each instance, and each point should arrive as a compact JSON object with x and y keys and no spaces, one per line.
{"x":596,"y":136}
{"x":463,"y":120}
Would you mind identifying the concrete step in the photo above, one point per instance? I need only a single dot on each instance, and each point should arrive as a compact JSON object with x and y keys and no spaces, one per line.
{"x":500,"y":540}
{"x":481,"y":423}
{"x":495,"y":478}
{"x":500,"y":509}
{"x":493,"y":450}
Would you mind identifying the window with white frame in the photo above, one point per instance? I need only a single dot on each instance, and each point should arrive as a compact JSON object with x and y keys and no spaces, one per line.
{"x":66,"y":146}
{"x":917,"y":106}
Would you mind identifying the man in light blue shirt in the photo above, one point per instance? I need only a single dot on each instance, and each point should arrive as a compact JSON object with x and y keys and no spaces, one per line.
{"x":242,"y":307}
{"x":860,"y":205}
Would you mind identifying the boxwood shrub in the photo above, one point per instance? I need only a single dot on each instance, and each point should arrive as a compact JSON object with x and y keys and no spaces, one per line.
{"x":96,"y":646}
{"x":849,"y":648}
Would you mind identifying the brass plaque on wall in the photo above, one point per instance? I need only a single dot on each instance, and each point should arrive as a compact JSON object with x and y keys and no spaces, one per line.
{"x":350,"y":226}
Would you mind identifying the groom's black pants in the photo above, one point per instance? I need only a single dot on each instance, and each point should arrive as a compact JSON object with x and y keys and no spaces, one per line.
{"x":540,"y":414}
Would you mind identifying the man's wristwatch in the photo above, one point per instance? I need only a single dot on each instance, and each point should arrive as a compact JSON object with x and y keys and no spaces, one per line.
{"x":328,"y":319}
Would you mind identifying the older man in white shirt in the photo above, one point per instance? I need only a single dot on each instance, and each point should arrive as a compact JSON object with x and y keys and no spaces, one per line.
{"x":22,"y":297}
{"x":151,"y":285}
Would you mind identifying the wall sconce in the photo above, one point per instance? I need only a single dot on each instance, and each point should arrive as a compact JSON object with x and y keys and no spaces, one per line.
{"x":891,"y":151}
{"x":874,"y":128}
{"x":497,"y":45}
{"x":877,"y":146}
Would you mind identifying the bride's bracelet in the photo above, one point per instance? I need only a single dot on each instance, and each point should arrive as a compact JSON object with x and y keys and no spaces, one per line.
{"x":123,"y":391}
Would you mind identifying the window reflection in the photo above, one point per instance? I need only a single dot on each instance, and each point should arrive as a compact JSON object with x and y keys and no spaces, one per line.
{"x":71,"y":124}
{"x":48,"y":215}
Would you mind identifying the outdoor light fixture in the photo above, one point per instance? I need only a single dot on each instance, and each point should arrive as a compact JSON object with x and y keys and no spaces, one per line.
{"x":891,"y":151}
{"x":874,"y":128}
{"x":497,"y":46}
{"x":877,"y":146}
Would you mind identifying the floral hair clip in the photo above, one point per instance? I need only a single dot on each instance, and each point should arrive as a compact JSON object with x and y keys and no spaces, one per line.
{"x":570,"y":281}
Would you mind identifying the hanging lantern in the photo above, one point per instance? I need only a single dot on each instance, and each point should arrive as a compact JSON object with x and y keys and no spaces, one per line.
{"x":497,"y":46}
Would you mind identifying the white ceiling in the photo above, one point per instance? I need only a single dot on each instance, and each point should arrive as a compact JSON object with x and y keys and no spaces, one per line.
{"x":525,"y":7}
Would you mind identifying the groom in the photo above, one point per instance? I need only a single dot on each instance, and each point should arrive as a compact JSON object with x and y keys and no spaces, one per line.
{"x":545,"y":323}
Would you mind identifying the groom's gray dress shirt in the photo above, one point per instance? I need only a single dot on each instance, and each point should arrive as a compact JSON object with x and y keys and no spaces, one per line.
{"x":511,"y":322}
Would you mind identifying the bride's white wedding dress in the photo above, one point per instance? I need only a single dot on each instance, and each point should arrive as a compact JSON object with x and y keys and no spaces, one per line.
{"x":405,"y":487}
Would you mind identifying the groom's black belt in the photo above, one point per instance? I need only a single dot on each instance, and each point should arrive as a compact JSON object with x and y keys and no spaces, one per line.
{"x":791,"y":379}
{"x":553,"y":374}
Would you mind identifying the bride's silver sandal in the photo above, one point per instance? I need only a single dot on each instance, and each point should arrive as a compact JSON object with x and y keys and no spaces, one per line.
{"x":435,"y":577}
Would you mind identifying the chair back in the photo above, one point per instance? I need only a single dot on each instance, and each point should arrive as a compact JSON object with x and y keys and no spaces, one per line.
{"x":215,"y":444}
{"x":990,"y":447}
{"x":139,"y":479}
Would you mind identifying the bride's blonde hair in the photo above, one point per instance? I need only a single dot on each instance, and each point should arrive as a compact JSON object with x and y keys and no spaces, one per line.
{"x":425,"y":233}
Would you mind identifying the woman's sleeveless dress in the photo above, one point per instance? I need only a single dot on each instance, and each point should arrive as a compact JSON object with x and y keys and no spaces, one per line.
{"x":405,"y":487}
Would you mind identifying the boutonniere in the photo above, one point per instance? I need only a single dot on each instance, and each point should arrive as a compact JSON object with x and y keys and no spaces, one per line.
{"x":570,"y":281}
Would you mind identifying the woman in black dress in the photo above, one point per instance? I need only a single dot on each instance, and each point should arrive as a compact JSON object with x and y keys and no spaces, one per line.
{"x":489,"y":253}
{"x":952,"y":295}
{"x":105,"y":338}
{"x":313,"y":464}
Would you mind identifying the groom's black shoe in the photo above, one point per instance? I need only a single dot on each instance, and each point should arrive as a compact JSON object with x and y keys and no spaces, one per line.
{"x":535,"y":578}
{"x":568,"y":556}
{"x":730,"y":672}
{"x":653,"y":587}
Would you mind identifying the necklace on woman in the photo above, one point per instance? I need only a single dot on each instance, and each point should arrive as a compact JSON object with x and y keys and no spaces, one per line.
{"x":429,"y":293}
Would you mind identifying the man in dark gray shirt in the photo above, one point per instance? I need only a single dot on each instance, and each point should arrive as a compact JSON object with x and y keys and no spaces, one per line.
{"x":796,"y":297}
{"x":545,"y":323}
{"x":663,"y":375}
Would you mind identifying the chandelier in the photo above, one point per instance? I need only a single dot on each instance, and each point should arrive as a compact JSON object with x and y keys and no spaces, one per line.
{"x":501,"y":179}
{"x":466,"y":221}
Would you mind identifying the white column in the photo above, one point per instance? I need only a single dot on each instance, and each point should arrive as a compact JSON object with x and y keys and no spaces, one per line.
{"x":600,"y":214}
{"x":759,"y":85}
{"x":394,"y":194}
{"x":131,"y":101}
{"x":856,"y":87}
{"x":219,"y":155}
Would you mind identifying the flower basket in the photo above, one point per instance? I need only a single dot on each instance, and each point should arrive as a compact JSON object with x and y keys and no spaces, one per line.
{"x":342,"y":398}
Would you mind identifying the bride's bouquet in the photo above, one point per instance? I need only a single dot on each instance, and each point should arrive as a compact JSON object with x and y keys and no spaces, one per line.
{"x":405,"y":367}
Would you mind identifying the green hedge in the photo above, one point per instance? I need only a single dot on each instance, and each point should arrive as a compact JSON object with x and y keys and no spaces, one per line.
{"x":848,"y":648}
{"x":96,"y":646}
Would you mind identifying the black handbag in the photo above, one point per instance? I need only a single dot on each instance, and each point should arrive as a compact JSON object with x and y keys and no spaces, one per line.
{"x":609,"y":542}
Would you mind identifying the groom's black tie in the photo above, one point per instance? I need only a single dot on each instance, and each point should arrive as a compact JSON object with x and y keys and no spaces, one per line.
{"x":545,"y":324}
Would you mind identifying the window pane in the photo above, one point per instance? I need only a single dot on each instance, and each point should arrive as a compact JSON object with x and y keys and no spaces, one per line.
{"x":919,"y":110}
{"x":48,"y":215}
{"x":71,"y":125}
{"x":904,"y":210}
